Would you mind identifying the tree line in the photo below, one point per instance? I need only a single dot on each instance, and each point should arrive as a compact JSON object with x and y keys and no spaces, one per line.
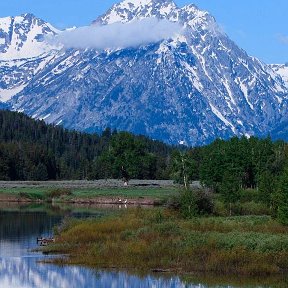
{"x":32,"y":150}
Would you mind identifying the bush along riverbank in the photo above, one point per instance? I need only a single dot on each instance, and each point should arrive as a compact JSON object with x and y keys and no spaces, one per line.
{"x":162,"y":240}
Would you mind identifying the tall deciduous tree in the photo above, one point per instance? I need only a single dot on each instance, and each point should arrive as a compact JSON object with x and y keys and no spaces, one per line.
{"x":182,"y":168}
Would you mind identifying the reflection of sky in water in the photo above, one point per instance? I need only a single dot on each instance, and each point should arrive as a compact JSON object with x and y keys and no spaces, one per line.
{"x":17,"y":248}
{"x":27,"y":273}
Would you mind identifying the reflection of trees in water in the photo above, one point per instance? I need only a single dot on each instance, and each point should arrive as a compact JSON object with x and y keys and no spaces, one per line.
{"x":20,"y":224}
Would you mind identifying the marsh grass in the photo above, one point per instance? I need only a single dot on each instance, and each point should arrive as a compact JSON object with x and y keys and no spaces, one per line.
{"x":151,"y":239}
{"x":32,"y":193}
{"x":57,"y":193}
{"x":216,"y":280}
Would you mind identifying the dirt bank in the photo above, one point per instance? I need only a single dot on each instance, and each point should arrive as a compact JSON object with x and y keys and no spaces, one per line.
{"x":115,"y":201}
{"x":13,"y":198}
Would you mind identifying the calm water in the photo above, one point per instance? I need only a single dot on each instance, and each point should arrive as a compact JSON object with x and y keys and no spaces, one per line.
{"x":19,"y":267}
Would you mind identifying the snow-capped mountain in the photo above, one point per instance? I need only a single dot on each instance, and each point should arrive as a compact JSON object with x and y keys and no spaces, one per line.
{"x":23,"y":52}
{"x":23,"y":37}
{"x":191,"y":88}
{"x":129,"y":10}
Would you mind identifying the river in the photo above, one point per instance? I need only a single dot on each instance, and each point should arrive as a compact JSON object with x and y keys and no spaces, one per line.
{"x":20,"y":267}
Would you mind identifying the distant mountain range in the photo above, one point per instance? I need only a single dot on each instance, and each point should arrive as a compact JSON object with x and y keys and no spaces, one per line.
{"x":189,"y":88}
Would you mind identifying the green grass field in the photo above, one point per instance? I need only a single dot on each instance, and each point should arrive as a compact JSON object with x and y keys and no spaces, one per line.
{"x":42,"y":193}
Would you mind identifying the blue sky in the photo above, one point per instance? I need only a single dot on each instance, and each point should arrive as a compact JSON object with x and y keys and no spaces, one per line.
{"x":258,"y":26}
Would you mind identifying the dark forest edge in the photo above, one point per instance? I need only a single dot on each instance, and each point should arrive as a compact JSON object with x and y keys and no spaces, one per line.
{"x":33,"y":150}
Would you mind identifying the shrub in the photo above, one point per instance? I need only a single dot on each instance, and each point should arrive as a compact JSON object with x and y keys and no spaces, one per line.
{"x":220,"y":209}
{"x":195,"y":202}
{"x":188,"y":206}
{"x":204,"y":202}
{"x":253,"y":208}
{"x":31,"y":195}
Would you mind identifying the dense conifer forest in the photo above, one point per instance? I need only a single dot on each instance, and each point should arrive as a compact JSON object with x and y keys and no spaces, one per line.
{"x":33,"y":150}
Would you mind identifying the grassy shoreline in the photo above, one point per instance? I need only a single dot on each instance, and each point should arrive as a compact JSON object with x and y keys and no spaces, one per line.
{"x":142,"y":192}
{"x":159,"y":239}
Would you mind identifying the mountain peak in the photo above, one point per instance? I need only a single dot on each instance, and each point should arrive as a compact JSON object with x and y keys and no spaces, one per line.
{"x":128,"y":10}
{"x":28,"y":15}
{"x":141,"y":3}
{"x":22,"y":36}
{"x":144,"y":2}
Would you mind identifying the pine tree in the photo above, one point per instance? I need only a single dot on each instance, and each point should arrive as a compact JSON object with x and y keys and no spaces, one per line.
{"x":282,"y":213}
{"x":230,"y":188}
{"x":266,"y":188}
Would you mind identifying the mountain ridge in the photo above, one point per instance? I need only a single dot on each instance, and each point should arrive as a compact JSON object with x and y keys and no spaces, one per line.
{"x":188,"y":89}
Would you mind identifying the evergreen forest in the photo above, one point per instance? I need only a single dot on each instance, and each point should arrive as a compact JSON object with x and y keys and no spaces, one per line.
{"x":33,"y":150}
{"x":243,"y":169}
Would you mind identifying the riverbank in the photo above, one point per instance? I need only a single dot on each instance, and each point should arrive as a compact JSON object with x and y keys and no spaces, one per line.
{"x":159,"y":240}
{"x":138,"y":192}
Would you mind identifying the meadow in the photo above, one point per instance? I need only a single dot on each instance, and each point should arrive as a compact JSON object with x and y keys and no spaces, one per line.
{"x":81,"y":191}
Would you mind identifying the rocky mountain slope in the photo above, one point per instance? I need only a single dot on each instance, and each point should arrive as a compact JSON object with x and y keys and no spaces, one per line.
{"x":189,"y":88}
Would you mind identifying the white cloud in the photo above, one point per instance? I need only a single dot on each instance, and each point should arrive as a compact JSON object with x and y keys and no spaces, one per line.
{"x":118,"y":35}
{"x":283,"y":38}
{"x":215,"y":29}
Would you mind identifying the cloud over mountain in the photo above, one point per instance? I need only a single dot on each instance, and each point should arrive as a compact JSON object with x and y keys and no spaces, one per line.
{"x":118,"y":35}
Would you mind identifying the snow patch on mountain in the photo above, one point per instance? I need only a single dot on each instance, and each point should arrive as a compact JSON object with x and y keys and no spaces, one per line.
{"x":282,"y":70}
{"x":16,"y":74}
{"x":7,"y":94}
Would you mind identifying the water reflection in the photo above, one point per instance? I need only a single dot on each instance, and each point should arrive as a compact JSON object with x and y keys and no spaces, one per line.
{"x":19,"y":267}
{"x":25,"y":272}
